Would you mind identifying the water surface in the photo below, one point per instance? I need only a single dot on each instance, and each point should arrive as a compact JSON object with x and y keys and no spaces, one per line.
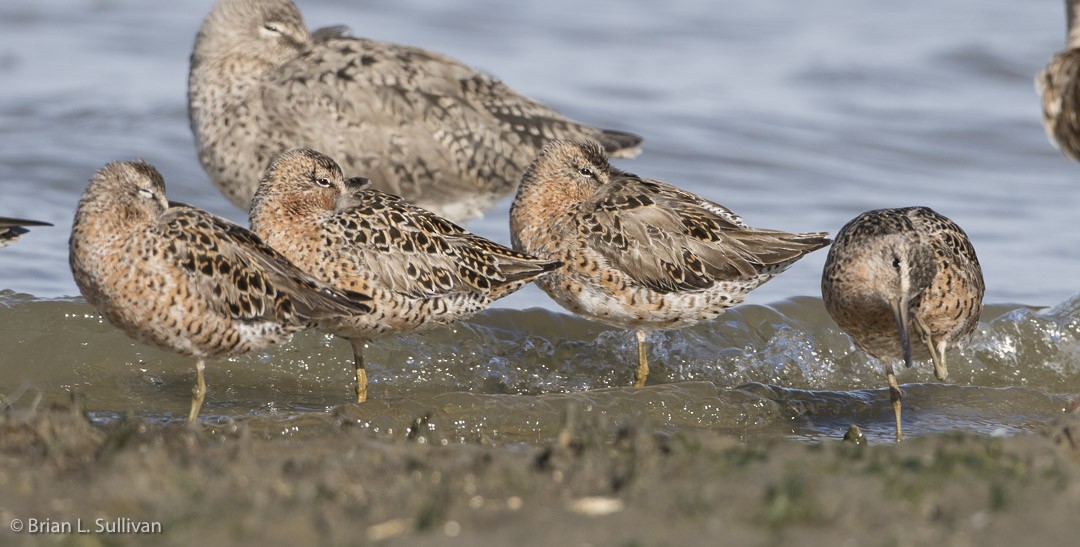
{"x":796,"y":115}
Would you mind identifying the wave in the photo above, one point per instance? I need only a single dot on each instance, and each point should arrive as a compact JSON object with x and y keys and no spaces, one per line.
{"x":784,"y":368}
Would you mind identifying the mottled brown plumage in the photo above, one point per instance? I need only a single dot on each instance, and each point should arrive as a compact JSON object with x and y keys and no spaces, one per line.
{"x":420,"y":269}
{"x":894,"y":275}
{"x":185,"y":280}
{"x":640,"y":254}
{"x":417,"y":123}
{"x":12,"y":228}
{"x":1059,"y":87}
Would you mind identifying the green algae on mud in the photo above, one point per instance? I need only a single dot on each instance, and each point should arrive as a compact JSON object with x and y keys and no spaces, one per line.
{"x":596,"y":481}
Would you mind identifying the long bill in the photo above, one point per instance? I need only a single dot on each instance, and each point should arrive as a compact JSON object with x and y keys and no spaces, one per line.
{"x":901,"y":308}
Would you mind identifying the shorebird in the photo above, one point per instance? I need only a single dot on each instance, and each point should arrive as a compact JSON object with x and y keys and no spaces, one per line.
{"x":1059,"y":86}
{"x":417,"y":123}
{"x":640,"y":254}
{"x":12,"y":228}
{"x":420,"y":270}
{"x":894,"y":275}
{"x":184,"y":280}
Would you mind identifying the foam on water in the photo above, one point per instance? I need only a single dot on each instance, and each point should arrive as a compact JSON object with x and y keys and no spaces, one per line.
{"x":513,"y":375}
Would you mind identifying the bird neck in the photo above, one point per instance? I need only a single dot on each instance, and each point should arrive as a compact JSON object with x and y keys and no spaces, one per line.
{"x":103,"y":229}
{"x":279,"y":219}
{"x":535,"y":209}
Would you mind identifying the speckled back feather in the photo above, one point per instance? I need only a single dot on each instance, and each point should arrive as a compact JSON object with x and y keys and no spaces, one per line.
{"x":183,"y":279}
{"x":670,"y":240}
{"x":419,"y":124}
{"x":640,"y":252}
{"x":244,"y":278}
{"x":420,"y":268}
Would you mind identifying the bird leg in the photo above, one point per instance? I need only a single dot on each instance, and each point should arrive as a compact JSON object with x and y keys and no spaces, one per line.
{"x":643,"y":363}
{"x":895,"y":395}
{"x":901,"y":308}
{"x":361,"y":372}
{"x":936,"y":353}
{"x":198,"y":393}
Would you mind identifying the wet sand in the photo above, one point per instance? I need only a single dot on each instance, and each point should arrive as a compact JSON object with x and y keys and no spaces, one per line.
{"x":321,"y":480}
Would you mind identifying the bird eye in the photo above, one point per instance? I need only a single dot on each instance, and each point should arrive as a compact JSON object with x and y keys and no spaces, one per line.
{"x":324,"y":182}
{"x":585,"y":171}
{"x":271,"y":30}
{"x":896,"y":262}
{"x":146,"y":194}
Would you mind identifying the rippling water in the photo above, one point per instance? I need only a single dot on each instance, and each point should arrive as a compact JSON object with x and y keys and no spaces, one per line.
{"x":798,"y":115}
{"x":780,"y":369}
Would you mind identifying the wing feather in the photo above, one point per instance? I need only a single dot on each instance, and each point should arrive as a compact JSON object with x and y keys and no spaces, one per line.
{"x":243,"y":278}
{"x":417,"y":253}
{"x":669,"y":239}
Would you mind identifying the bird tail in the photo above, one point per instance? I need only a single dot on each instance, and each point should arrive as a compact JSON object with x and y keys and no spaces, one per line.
{"x":620,"y":144}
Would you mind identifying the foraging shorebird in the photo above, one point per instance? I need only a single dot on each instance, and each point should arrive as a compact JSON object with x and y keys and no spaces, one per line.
{"x":187,"y":281}
{"x":420,"y":270}
{"x":12,"y":228}
{"x":894,"y":275}
{"x":640,"y":254}
{"x":417,"y":123}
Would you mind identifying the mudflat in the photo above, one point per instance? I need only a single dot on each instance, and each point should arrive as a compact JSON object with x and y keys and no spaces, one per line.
{"x":321,"y":480}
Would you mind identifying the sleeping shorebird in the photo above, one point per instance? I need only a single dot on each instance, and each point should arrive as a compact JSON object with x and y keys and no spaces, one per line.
{"x":187,"y":281}
{"x":420,"y":270}
{"x":640,"y":254}
{"x":417,"y":123}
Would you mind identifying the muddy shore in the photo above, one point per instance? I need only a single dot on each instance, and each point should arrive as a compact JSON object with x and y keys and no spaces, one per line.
{"x":254,"y":481}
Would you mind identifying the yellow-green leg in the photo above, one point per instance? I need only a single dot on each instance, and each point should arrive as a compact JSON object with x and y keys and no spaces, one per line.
{"x":895,"y":396}
{"x":643,"y":362}
{"x":361,"y":371}
{"x":941,"y":370}
{"x":198,"y":393}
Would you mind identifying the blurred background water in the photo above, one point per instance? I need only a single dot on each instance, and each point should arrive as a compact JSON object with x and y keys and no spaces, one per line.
{"x":797,"y":115}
